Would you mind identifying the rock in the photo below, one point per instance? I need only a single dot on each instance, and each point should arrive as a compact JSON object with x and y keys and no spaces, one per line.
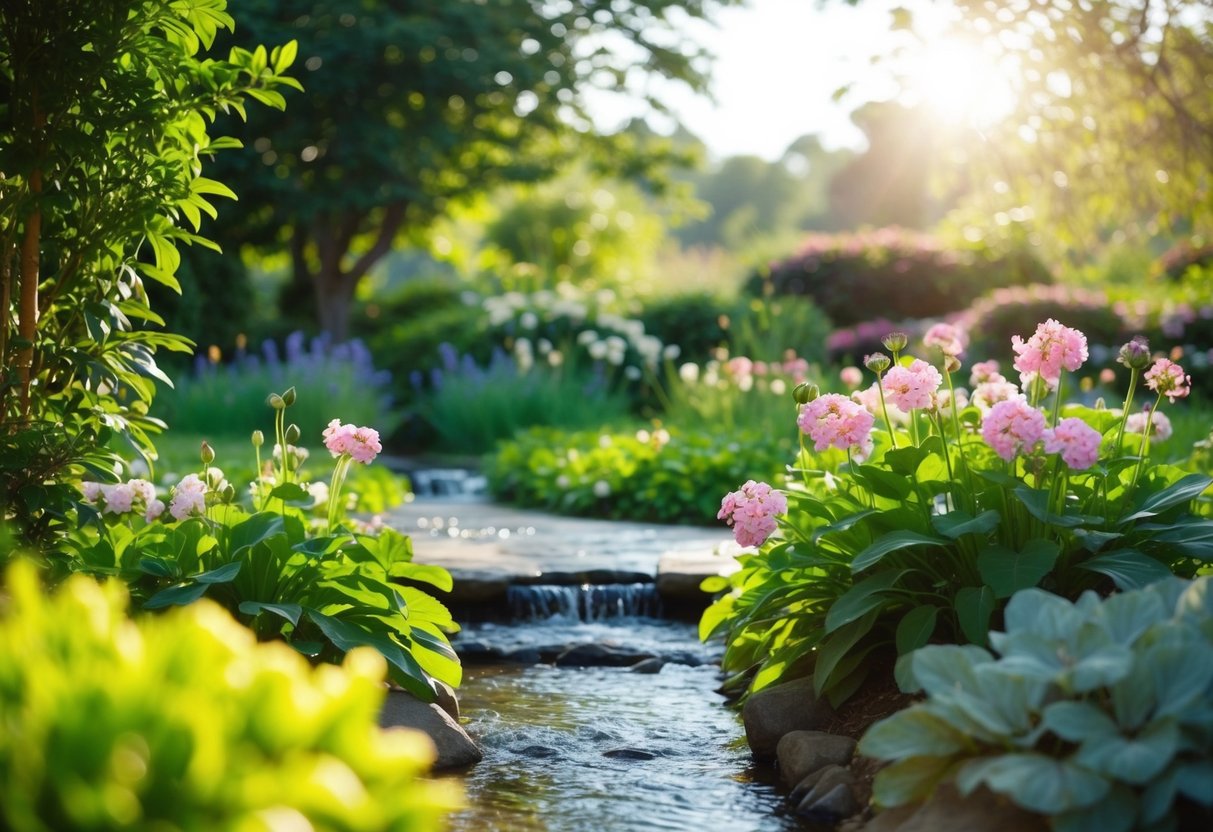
{"x":685,"y":657}
{"x":630,"y":754}
{"x":479,"y":586}
{"x":455,"y":748}
{"x":890,"y":819}
{"x":599,"y":655}
{"x":475,"y":650}
{"x":538,"y":752}
{"x":777,"y":710}
{"x":810,"y":781}
{"x":825,"y":781}
{"x":948,"y":811}
{"x":524,"y":655}
{"x":447,"y":700}
{"x":836,"y":804}
{"x":653,"y":665}
{"x":800,"y":753}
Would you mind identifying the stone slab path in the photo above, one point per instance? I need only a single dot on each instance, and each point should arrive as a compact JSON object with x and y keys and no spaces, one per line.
{"x":487,"y":546}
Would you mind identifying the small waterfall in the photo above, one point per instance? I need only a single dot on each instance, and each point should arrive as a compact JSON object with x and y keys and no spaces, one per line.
{"x":447,"y":482}
{"x":586,"y":602}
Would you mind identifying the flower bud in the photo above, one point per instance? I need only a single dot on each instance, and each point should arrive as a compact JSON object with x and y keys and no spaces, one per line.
{"x":288,"y":398}
{"x":877,"y":362}
{"x":951,"y":363}
{"x":1136,"y":354}
{"x":805,"y":392}
{"x":208,"y":454}
{"x":258,"y":439}
{"x":895,"y":341}
{"x":275,"y":401}
{"x":292,"y":433}
{"x":228,"y":493}
{"x":1100,"y":404}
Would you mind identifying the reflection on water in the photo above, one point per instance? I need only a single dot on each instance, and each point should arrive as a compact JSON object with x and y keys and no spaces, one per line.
{"x":582,"y":750}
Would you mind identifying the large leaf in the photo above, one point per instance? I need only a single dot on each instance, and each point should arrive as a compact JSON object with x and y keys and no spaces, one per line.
{"x":427,"y":573}
{"x":833,"y":648}
{"x":1035,"y":781}
{"x":1078,"y":721}
{"x":1185,"y":490}
{"x":1037,"y":503}
{"x":257,"y":528}
{"x":892,"y":542}
{"x":1006,"y":572}
{"x":884,"y":483}
{"x":974,"y":606}
{"x":219,"y":575}
{"x":290,"y":612}
{"x":913,"y":732}
{"x":1128,"y":568}
{"x":1135,"y":760}
{"x":403,"y":668}
{"x":908,"y":781}
{"x":957,"y":523}
{"x":915,"y":628}
{"x":862,"y":598}
{"x":176,"y":596}
{"x":904,"y":461}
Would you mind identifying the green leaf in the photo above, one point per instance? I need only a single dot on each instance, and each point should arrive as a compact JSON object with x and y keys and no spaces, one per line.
{"x":427,"y":573}
{"x":909,"y":781}
{"x":904,"y":461}
{"x":974,"y":606}
{"x":176,"y":596}
{"x":290,"y":612}
{"x":257,"y":528}
{"x":884,"y":483}
{"x":913,"y":732}
{"x":957,"y":523}
{"x":319,"y":547}
{"x":1037,"y":503}
{"x":220,"y":575}
{"x":1134,"y":760}
{"x":159,"y":568}
{"x":1007,"y":572}
{"x":293,"y":494}
{"x":835,"y":647}
{"x":1077,"y":721}
{"x":1185,"y":490}
{"x":891,"y":542}
{"x":862,"y":598}
{"x":1036,"y":782}
{"x":1115,"y":812}
{"x":915,"y":628}
{"x":1128,"y":568}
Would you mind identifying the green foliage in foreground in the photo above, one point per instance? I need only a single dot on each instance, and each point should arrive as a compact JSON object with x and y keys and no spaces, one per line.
{"x":185,"y":722}
{"x":1097,"y":713}
{"x":673,"y":477}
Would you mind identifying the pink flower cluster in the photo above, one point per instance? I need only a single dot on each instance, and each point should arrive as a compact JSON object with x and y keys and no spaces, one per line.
{"x":951,"y":340}
{"x":1012,"y":427}
{"x":1168,"y":378}
{"x":121,"y":498}
{"x":189,"y":498}
{"x":835,"y":420}
{"x":911,"y":388}
{"x":361,"y":444}
{"x":1051,"y":349}
{"x":1076,"y":441}
{"x":1160,"y":425}
{"x":751,"y":512}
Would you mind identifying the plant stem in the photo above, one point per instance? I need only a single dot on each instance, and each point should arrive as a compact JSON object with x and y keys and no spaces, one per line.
{"x":1145,"y":441}
{"x":1057,"y":400}
{"x":339,"y":471}
{"x":1124,"y":414}
{"x":885,"y":410}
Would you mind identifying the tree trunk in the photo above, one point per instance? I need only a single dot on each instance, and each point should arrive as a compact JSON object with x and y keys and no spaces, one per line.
{"x":27,"y":310}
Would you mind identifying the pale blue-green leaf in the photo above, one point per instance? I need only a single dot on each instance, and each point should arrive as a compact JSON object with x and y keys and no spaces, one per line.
{"x":940,"y":668}
{"x":1182,"y":675}
{"x":1114,"y":812}
{"x":1135,"y":760}
{"x":1193,"y":779}
{"x":1125,"y":616}
{"x":908,"y":781}
{"x":219,"y":575}
{"x":913,"y":732}
{"x":1042,"y":613}
{"x":176,"y":596}
{"x":1036,"y":782}
{"x":1078,"y":721}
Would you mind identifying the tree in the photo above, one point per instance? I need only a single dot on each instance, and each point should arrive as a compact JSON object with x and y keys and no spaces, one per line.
{"x":104,"y":112}
{"x":413,"y":103}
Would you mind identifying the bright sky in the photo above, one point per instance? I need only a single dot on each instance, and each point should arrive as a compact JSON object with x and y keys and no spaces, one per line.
{"x":778,"y":64}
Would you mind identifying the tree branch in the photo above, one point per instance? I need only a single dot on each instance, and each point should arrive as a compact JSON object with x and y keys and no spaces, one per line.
{"x":393,"y":219}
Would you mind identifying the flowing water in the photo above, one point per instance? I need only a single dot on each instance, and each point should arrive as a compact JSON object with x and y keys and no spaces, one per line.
{"x":606,"y":749}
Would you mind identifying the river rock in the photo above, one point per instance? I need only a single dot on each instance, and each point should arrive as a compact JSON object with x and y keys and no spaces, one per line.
{"x":823,"y":799}
{"x":524,"y":655}
{"x":455,"y":748}
{"x":653,"y":665}
{"x":479,"y":586}
{"x":780,"y":709}
{"x":599,"y":655}
{"x":948,"y":811}
{"x":630,"y":754}
{"x":539,"y":752}
{"x":806,"y":785}
{"x":475,"y":650}
{"x":801,"y":753}
{"x":447,"y":699}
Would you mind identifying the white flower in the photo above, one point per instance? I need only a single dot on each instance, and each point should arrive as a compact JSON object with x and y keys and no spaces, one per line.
{"x":671,"y":352}
{"x":778,"y":386}
{"x":586,"y":336}
{"x":604,"y":441}
{"x":319,"y":492}
{"x":544,"y":346}
{"x":632,"y":373}
{"x":689,"y":373}
{"x":602,"y":488}
{"x":598,"y":350}
{"x":562,"y":482}
{"x":529,"y":320}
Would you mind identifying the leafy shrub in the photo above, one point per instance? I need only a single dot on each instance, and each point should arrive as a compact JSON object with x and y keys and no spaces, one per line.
{"x":229,"y":399}
{"x":919,"y":530}
{"x":769,"y":328}
{"x":1096,"y":713}
{"x":737,"y":394}
{"x":892,"y":274}
{"x":634,"y":476}
{"x":472,"y":408}
{"x":995,"y":317}
{"x":697,"y":322}
{"x":185,"y":722}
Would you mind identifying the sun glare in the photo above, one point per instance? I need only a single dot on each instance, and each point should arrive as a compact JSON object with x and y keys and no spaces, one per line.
{"x":961,"y":82}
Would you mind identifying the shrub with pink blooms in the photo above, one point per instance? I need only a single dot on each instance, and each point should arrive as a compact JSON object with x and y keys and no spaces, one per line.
{"x":921,"y":503}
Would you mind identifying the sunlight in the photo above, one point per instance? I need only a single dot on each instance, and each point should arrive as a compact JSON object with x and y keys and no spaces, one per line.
{"x":961,"y":82}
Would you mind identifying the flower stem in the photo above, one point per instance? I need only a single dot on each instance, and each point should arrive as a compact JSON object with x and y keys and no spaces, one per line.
{"x":885,"y":410}
{"x":1145,"y":441}
{"x":339,"y":471}
{"x":1124,"y":415}
{"x":1057,"y":400}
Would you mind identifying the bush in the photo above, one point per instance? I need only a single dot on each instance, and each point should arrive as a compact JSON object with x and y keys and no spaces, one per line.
{"x":186,"y":722}
{"x":770,"y":328}
{"x":697,"y":322}
{"x":1095,"y":713}
{"x":331,"y":379}
{"x":892,"y":274}
{"x":646,"y":475}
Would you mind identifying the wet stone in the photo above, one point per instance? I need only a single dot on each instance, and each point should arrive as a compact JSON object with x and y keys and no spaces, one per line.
{"x":780,"y":709}
{"x":801,"y":753}
{"x":630,"y":754}
{"x":524,"y":655}
{"x":539,"y":752}
{"x":836,"y":804}
{"x":599,"y":655}
{"x":648,"y":666}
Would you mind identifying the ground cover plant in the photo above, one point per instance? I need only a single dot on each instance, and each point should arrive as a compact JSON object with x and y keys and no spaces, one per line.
{"x":921,"y":509}
{"x":1095,"y":713}
{"x":184,"y":721}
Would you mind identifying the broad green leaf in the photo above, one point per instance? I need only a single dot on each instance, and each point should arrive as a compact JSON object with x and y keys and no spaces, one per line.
{"x":1114,"y":812}
{"x":1037,"y":503}
{"x":915,"y":628}
{"x":974,"y":606}
{"x":320,"y":547}
{"x":176,"y":596}
{"x":939,"y":668}
{"x":290,"y":612}
{"x":1134,"y":760}
{"x":219,"y":575}
{"x":1035,"y":781}
{"x":957,"y":523}
{"x":431,"y":574}
{"x":257,"y":528}
{"x":293,"y":494}
{"x":1128,"y":568}
{"x":909,"y":781}
{"x":892,"y":542}
{"x":1185,"y":490}
{"x":904,"y":461}
{"x":159,"y":568}
{"x":1077,"y":721}
{"x":884,"y":483}
{"x":913,"y":732}
{"x":834,"y":647}
{"x":1182,"y":676}
{"x":862,"y":598}
{"x":1007,"y":572}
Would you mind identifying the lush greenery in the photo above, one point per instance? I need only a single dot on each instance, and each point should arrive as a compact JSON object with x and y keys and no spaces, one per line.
{"x":919,"y":530}
{"x":1095,"y":713}
{"x":184,"y":721}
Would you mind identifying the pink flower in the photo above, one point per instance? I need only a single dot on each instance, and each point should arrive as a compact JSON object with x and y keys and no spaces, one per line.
{"x":1012,"y":427}
{"x":361,"y":444}
{"x":851,"y":377}
{"x":1160,"y":425}
{"x":93,"y":491}
{"x":834,"y":420}
{"x":145,"y":492}
{"x":989,"y":393}
{"x":1052,"y":348}
{"x":942,"y":401}
{"x":952,"y":340}
{"x":154,"y":509}
{"x":119,"y":498}
{"x":985,"y":371}
{"x":1168,"y":378}
{"x":911,"y":387}
{"x":1076,"y":441}
{"x":189,"y":498}
{"x":751,"y":512}
{"x":870,"y":399}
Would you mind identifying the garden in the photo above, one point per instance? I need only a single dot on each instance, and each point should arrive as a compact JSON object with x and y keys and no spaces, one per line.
{"x":386,"y":445}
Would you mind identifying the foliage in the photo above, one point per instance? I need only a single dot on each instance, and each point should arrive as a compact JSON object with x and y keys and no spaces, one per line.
{"x":891,"y":273}
{"x":739,"y":394}
{"x":922,"y":530}
{"x":103,"y":130}
{"x":475,"y":95}
{"x":229,"y":399}
{"x":286,"y":574}
{"x":770,"y":328}
{"x":1094,"y":713}
{"x":698,"y":322}
{"x":632,"y":476}
{"x":185,"y":722}
{"x":472,"y":408}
